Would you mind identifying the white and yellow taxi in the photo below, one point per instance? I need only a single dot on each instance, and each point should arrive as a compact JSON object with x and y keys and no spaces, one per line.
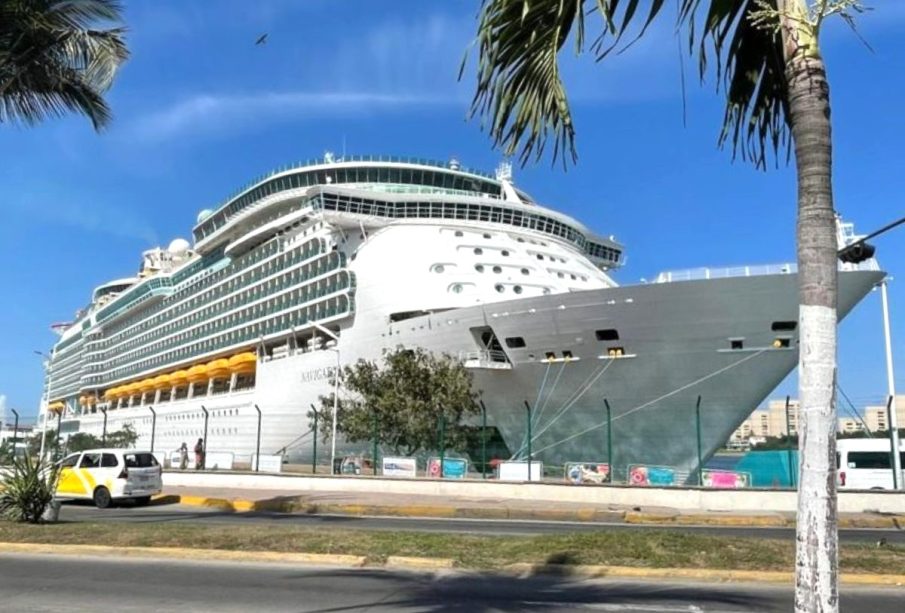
{"x":108,"y":475}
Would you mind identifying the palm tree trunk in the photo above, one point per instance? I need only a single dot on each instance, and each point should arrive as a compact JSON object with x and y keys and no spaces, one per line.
{"x":816,"y":561}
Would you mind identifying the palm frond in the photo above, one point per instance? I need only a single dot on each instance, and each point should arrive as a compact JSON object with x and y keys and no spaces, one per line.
{"x":54,"y":60}
{"x":518,"y":83}
{"x":520,"y":91}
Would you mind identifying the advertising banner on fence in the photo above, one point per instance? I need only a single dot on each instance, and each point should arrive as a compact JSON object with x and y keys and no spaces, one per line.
{"x":453,"y":468}
{"x":268,"y":463}
{"x":587,"y":472}
{"x":725,"y":479}
{"x":518,"y":471}
{"x":400,"y":467}
{"x":651,"y":475}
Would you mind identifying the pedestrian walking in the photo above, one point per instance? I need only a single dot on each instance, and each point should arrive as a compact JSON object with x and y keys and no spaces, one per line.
{"x":199,"y":454}
{"x":183,"y":456}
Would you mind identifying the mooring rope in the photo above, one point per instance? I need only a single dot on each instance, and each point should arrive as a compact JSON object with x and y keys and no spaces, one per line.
{"x":655,"y":400}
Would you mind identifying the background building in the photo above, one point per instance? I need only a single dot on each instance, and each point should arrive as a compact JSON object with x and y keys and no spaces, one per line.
{"x":876,"y":417}
{"x":771,"y":421}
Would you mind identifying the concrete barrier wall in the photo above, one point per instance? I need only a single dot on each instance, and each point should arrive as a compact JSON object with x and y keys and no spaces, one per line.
{"x":677,"y":498}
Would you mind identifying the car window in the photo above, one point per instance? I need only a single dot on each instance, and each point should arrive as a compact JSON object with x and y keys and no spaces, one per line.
{"x":109,"y":461}
{"x":140,"y":460}
{"x":869,"y":459}
{"x":90,"y":460}
{"x":69,"y":461}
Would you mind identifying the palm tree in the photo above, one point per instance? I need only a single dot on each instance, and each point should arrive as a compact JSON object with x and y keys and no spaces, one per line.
{"x":768,"y":63}
{"x":54,"y":58}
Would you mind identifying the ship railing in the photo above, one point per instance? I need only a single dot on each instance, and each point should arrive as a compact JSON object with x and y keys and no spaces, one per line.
{"x":698,"y":274}
{"x":487,"y":358}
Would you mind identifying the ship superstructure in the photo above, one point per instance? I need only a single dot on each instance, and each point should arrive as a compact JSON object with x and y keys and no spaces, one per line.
{"x":337,"y":259}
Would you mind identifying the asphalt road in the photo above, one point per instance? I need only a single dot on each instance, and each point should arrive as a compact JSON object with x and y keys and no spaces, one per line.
{"x":168,"y":513}
{"x":32,"y":583}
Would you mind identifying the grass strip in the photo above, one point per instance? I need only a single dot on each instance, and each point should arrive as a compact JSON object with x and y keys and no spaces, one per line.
{"x":646,"y":549}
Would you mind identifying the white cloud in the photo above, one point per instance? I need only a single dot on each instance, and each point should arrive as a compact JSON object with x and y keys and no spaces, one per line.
{"x":203,"y":113}
{"x":399,"y":63}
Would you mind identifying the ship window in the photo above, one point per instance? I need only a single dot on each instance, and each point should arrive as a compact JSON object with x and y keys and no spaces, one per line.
{"x":438,"y":268}
{"x":479,"y":267}
{"x":478,"y":251}
{"x":497,"y":269}
{"x":525,"y":271}
{"x":486,"y":235}
{"x":499,"y":287}
{"x":515,"y":342}
{"x":457,"y":288}
{"x":610,"y":334}
{"x":517,"y":289}
{"x":784,"y":326}
{"x":737,"y":343}
{"x":459,"y":233}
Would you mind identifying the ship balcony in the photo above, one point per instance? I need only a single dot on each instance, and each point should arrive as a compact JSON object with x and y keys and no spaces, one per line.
{"x":488,"y":359}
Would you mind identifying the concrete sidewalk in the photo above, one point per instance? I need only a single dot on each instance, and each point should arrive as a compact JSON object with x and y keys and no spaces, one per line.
{"x":407,"y":505}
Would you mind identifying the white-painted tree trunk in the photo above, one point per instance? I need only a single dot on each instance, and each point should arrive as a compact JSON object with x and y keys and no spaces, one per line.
{"x":816,"y":557}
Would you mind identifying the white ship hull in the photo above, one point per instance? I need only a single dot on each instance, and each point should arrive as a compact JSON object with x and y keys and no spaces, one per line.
{"x":676,"y":339}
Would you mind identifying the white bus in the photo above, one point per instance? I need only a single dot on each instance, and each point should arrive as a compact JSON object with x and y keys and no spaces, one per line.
{"x":866,"y":463}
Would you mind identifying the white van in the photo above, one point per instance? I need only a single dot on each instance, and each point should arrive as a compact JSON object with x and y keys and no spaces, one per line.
{"x":108,"y":475}
{"x":866,"y":463}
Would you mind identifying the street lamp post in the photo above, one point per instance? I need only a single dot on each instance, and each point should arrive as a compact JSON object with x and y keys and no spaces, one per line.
{"x":15,"y":431}
{"x":890,"y":380}
{"x":332,"y":335}
{"x":49,"y":371}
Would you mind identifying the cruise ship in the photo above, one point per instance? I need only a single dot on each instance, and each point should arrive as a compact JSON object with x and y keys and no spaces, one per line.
{"x":334,"y":260}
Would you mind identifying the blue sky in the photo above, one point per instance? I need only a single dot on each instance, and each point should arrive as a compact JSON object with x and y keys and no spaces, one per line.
{"x":200,"y":111}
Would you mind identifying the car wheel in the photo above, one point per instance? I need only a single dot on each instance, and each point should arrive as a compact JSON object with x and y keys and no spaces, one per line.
{"x":102,"y":498}
{"x":142,"y":500}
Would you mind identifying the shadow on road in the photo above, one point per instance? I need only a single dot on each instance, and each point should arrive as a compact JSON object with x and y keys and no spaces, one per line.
{"x":471,"y":593}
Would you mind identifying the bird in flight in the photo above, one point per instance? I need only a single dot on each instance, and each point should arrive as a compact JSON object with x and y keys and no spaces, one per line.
{"x":262,"y":39}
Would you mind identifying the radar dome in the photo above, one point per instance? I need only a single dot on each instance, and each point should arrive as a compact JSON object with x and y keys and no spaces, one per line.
{"x":204,"y":215}
{"x":179,"y":246}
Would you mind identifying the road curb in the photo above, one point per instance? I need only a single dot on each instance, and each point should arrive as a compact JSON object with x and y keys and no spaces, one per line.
{"x":185,"y":553}
{"x":292,"y":505}
{"x":693,"y":574}
{"x":436,"y":564}
{"x":420,"y":563}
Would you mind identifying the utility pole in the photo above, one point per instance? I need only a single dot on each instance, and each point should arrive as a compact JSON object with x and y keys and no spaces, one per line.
{"x":891,"y":384}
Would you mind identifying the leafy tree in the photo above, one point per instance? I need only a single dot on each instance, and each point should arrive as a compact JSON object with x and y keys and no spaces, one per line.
{"x":122,"y":439}
{"x":52,"y":445}
{"x":80,"y":441}
{"x":769,"y":64}
{"x":407,"y":395}
{"x":55,"y":57}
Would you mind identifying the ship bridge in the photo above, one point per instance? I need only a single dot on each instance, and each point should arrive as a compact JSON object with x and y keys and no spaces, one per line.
{"x":379,"y":191}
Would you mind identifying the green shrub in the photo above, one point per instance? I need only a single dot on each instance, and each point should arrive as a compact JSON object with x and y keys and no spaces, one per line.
{"x":26,"y":488}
